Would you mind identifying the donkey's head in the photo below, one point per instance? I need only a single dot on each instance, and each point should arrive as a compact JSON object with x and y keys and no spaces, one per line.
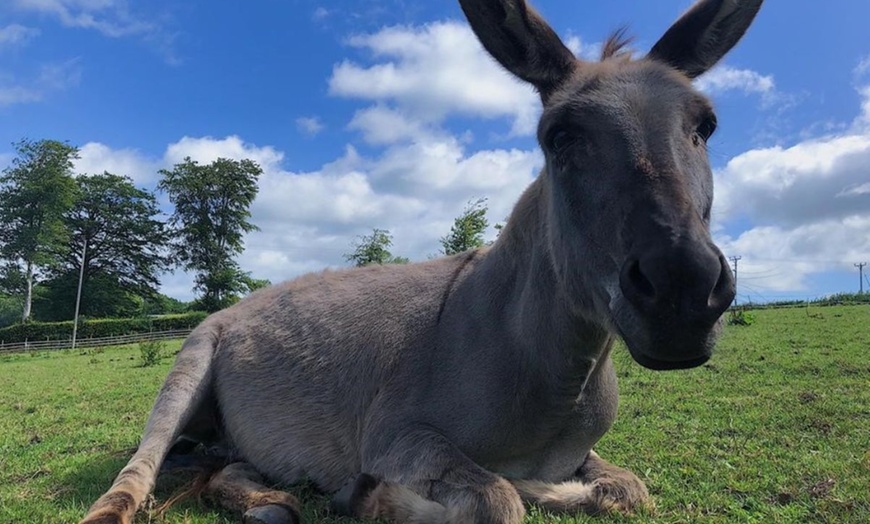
{"x":628,"y":186}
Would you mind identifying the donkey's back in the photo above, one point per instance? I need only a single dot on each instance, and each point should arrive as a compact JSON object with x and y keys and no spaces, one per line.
{"x":317,"y":351}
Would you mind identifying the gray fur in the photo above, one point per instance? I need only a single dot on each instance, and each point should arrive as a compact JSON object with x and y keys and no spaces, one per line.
{"x":449,"y":378}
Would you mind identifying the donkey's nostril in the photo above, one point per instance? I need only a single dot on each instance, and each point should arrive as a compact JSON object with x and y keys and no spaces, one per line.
{"x":723,"y":292}
{"x":690,"y":282}
{"x":642,"y":285}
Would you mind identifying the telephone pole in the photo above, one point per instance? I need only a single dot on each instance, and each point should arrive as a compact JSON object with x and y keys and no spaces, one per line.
{"x":860,"y":267}
{"x":735,"y":259}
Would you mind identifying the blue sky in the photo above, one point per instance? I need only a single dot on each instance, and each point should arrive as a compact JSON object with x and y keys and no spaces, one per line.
{"x":386,"y":113}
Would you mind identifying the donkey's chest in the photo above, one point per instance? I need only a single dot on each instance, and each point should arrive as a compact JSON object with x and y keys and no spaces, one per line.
{"x":545,"y":434}
{"x":552,"y":455}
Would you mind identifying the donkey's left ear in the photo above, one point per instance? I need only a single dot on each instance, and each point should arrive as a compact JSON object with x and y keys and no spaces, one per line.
{"x":703,"y":35}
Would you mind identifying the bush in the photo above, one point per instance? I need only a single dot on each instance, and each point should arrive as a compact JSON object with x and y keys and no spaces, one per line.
{"x":739,"y":317}
{"x":151,"y":352}
{"x":104,"y":327}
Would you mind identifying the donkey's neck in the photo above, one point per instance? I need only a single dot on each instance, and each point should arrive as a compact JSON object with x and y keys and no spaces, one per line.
{"x":535,"y":310}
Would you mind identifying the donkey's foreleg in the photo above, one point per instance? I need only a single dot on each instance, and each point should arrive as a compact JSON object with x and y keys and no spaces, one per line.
{"x":182,"y":395}
{"x":599,"y":487}
{"x":239,"y":487}
{"x":424,"y":479}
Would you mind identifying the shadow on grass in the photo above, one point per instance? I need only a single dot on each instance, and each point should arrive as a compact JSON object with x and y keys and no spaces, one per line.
{"x":77,"y":490}
{"x":85,"y":483}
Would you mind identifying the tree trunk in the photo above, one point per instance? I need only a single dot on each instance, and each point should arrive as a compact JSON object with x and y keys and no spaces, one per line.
{"x":28,"y":294}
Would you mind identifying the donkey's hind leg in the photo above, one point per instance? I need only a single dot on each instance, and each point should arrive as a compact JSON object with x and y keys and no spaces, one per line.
{"x":599,"y":487}
{"x":239,"y":487}
{"x":183,"y":393}
{"x":422,"y":478}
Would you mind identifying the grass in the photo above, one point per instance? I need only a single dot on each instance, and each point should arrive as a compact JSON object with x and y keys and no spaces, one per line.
{"x":776,"y":428}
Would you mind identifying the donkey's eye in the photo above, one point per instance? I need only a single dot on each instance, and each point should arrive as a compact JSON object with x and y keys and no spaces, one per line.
{"x":560,"y":140}
{"x":707,"y":127}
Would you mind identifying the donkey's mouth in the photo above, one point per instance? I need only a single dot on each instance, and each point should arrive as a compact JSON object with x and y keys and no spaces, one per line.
{"x":657,"y":364}
{"x":665,"y":344}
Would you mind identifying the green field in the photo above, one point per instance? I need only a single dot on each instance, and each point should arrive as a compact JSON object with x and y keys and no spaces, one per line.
{"x":776,"y":428}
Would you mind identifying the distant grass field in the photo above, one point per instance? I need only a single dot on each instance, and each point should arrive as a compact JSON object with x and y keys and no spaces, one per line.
{"x":776,"y":428}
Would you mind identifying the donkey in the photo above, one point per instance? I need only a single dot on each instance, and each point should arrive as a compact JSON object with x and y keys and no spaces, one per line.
{"x":460,"y":389}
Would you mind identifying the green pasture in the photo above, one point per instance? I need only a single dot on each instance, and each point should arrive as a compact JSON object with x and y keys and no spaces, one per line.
{"x":775,"y":429}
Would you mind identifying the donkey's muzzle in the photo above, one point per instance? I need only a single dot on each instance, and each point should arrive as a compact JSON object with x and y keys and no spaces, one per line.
{"x":679,"y":292}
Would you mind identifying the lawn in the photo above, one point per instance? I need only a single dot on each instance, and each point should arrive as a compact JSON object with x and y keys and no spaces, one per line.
{"x":775,"y":428}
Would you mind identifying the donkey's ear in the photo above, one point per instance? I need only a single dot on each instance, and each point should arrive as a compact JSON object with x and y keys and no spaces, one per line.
{"x":704,"y":34}
{"x":517,"y":36}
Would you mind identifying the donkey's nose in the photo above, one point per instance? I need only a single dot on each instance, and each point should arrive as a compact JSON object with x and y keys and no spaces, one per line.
{"x":690,"y":282}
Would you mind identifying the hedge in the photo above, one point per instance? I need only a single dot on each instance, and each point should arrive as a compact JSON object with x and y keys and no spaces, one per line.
{"x":96,"y":328}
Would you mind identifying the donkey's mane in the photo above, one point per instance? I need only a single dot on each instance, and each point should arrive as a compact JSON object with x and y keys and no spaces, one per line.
{"x":616,"y":45}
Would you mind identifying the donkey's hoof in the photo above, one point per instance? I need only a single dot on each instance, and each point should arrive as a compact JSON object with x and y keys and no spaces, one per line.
{"x":270,"y":514}
{"x":348,"y":501}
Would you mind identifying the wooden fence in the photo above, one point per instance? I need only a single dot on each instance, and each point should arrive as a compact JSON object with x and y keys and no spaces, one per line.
{"x":51,"y":345}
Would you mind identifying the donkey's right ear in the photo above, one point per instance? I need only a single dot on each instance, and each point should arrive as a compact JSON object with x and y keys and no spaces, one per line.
{"x":515,"y":35}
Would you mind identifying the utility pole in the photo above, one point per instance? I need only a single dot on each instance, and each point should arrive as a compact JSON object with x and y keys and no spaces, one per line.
{"x":735,"y":259}
{"x":79,"y":292}
{"x":860,"y":267}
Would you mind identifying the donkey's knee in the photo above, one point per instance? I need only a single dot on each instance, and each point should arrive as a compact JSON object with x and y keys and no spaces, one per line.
{"x":239,"y":487}
{"x":496,"y":502}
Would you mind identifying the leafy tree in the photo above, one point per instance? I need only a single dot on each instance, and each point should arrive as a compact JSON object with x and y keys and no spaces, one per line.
{"x":253,"y":284}
{"x":35,"y":192}
{"x":10,"y":309}
{"x":467,"y":230}
{"x":161,"y":304}
{"x":212,"y":212}
{"x":374,"y":249}
{"x":116,"y":234}
{"x":103,"y":296}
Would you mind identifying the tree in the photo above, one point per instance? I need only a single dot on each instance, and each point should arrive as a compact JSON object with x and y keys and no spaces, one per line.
{"x":35,"y":192}
{"x":253,"y":284}
{"x":103,"y":296}
{"x":212,"y":212}
{"x":467,"y":230}
{"x":164,"y":305}
{"x":116,"y":234}
{"x":374,"y":249}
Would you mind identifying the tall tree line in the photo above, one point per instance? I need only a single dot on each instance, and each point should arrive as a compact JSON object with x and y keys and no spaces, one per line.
{"x":57,"y":225}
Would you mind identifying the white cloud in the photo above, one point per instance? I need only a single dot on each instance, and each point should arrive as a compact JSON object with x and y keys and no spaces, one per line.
{"x":796,"y":184}
{"x":589,"y":52}
{"x":862,"y":68}
{"x":15,"y":34}
{"x":109,"y":17}
{"x":809,"y":205}
{"x":10,"y":95}
{"x":308,"y":220}
{"x":52,"y":77}
{"x":776,"y":258}
{"x":727,"y":78}
{"x":96,"y":158}
{"x":383,"y":125}
{"x":434,"y":71}
{"x":208,"y":149}
{"x":309,"y":125}
{"x":862,"y":189}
